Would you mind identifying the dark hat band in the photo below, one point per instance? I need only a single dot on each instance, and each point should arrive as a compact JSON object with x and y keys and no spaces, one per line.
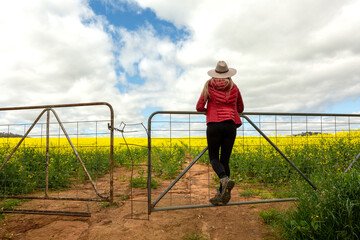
{"x":221,"y":72}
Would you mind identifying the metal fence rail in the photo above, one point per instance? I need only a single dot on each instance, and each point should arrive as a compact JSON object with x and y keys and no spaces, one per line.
{"x":271,"y":151}
{"x":41,"y":159}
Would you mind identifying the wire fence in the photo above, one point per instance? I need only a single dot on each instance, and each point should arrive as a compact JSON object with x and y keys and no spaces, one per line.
{"x":71,"y":167}
{"x":166,"y":166}
{"x":131,"y":175}
{"x":272,"y":151}
{"x":51,"y":159}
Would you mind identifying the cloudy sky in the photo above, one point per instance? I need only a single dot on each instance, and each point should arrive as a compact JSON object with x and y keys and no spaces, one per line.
{"x":147,"y":55}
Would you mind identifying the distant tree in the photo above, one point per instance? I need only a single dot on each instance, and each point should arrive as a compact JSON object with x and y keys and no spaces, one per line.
{"x":9,"y":135}
{"x":307,"y":134}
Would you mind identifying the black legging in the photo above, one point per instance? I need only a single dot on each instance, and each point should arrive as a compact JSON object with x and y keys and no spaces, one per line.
{"x":221,"y":135}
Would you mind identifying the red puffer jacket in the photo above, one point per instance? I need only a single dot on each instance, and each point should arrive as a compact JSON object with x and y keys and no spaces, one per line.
{"x":222,"y":104}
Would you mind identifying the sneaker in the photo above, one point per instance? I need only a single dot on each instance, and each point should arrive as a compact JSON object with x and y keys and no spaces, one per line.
{"x":227,"y":184}
{"x":217,"y":199}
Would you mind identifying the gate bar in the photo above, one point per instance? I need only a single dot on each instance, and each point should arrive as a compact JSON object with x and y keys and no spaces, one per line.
{"x":48,"y":108}
{"x":22,"y":139}
{"x":242,"y":115}
{"x":60,"y":106}
{"x":47,"y":152}
{"x":352,"y":163}
{"x":55,"y":198}
{"x":39,"y":212}
{"x":149,"y":149}
{"x":180,"y":176}
{"x":76,"y":154}
{"x":279,"y":151}
{"x":228,"y":204}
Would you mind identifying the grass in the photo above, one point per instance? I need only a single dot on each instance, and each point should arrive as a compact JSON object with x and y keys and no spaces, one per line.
{"x":331,"y":212}
{"x":249,"y":193}
{"x":140,"y":181}
{"x":270,"y":217}
{"x":109,"y":204}
{"x":253,"y":163}
{"x":195,"y":236}
{"x":124,"y":197}
{"x":9,"y":204}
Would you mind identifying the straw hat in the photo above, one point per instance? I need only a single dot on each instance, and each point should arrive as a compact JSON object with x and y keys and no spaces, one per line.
{"x":222,"y":71}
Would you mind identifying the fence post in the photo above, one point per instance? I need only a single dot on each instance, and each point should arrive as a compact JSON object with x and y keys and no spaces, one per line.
{"x":47,"y":151}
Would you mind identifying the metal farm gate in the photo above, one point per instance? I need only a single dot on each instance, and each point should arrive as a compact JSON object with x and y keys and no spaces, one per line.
{"x":271,"y":151}
{"x":51,"y":159}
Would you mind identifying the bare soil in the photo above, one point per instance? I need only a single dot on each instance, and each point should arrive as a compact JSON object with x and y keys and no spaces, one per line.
{"x":128,"y":219}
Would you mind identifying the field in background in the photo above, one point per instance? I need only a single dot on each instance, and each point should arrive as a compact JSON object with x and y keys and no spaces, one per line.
{"x":253,"y":159}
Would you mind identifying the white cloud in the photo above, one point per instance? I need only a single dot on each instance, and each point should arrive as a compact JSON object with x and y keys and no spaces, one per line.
{"x":339,"y":33}
{"x":56,"y":52}
{"x":154,"y":59}
{"x":290,"y":56}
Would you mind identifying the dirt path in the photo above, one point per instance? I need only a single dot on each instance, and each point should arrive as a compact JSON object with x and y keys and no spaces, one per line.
{"x":128,"y":219}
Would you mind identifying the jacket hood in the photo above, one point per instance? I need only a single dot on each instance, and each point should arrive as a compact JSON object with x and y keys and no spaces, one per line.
{"x":220,"y":84}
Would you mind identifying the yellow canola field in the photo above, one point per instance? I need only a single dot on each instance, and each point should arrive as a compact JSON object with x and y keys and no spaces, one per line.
{"x":325,"y":140}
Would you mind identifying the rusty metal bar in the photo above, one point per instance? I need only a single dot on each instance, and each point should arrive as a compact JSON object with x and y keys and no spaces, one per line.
{"x":55,"y":198}
{"x":151,"y":206}
{"x":76,"y":153}
{"x":49,"y":108}
{"x":352,"y":163}
{"x":111,"y":198}
{"x":262,"y":113}
{"x":149,"y":164}
{"x":251,"y":123}
{"x":39,"y":212}
{"x":228,"y":204}
{"x":22,"y":139}
{"x":60,"y":106}
{"x":279,"y":151}
{"x":179,"y":177}
{"x":47,"y":152}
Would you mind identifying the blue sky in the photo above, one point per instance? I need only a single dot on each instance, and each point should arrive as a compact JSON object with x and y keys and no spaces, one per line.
{"x":147,"y":55}
{"x":133,"y":18}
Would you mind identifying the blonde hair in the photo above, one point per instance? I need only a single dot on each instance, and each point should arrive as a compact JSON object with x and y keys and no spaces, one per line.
{"x":205,"y":91}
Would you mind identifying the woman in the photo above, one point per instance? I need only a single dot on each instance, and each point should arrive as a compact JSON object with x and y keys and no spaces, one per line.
{"x":224,"y":103}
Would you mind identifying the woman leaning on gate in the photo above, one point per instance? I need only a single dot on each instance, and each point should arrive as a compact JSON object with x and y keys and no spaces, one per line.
{"x":222,"y":102}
